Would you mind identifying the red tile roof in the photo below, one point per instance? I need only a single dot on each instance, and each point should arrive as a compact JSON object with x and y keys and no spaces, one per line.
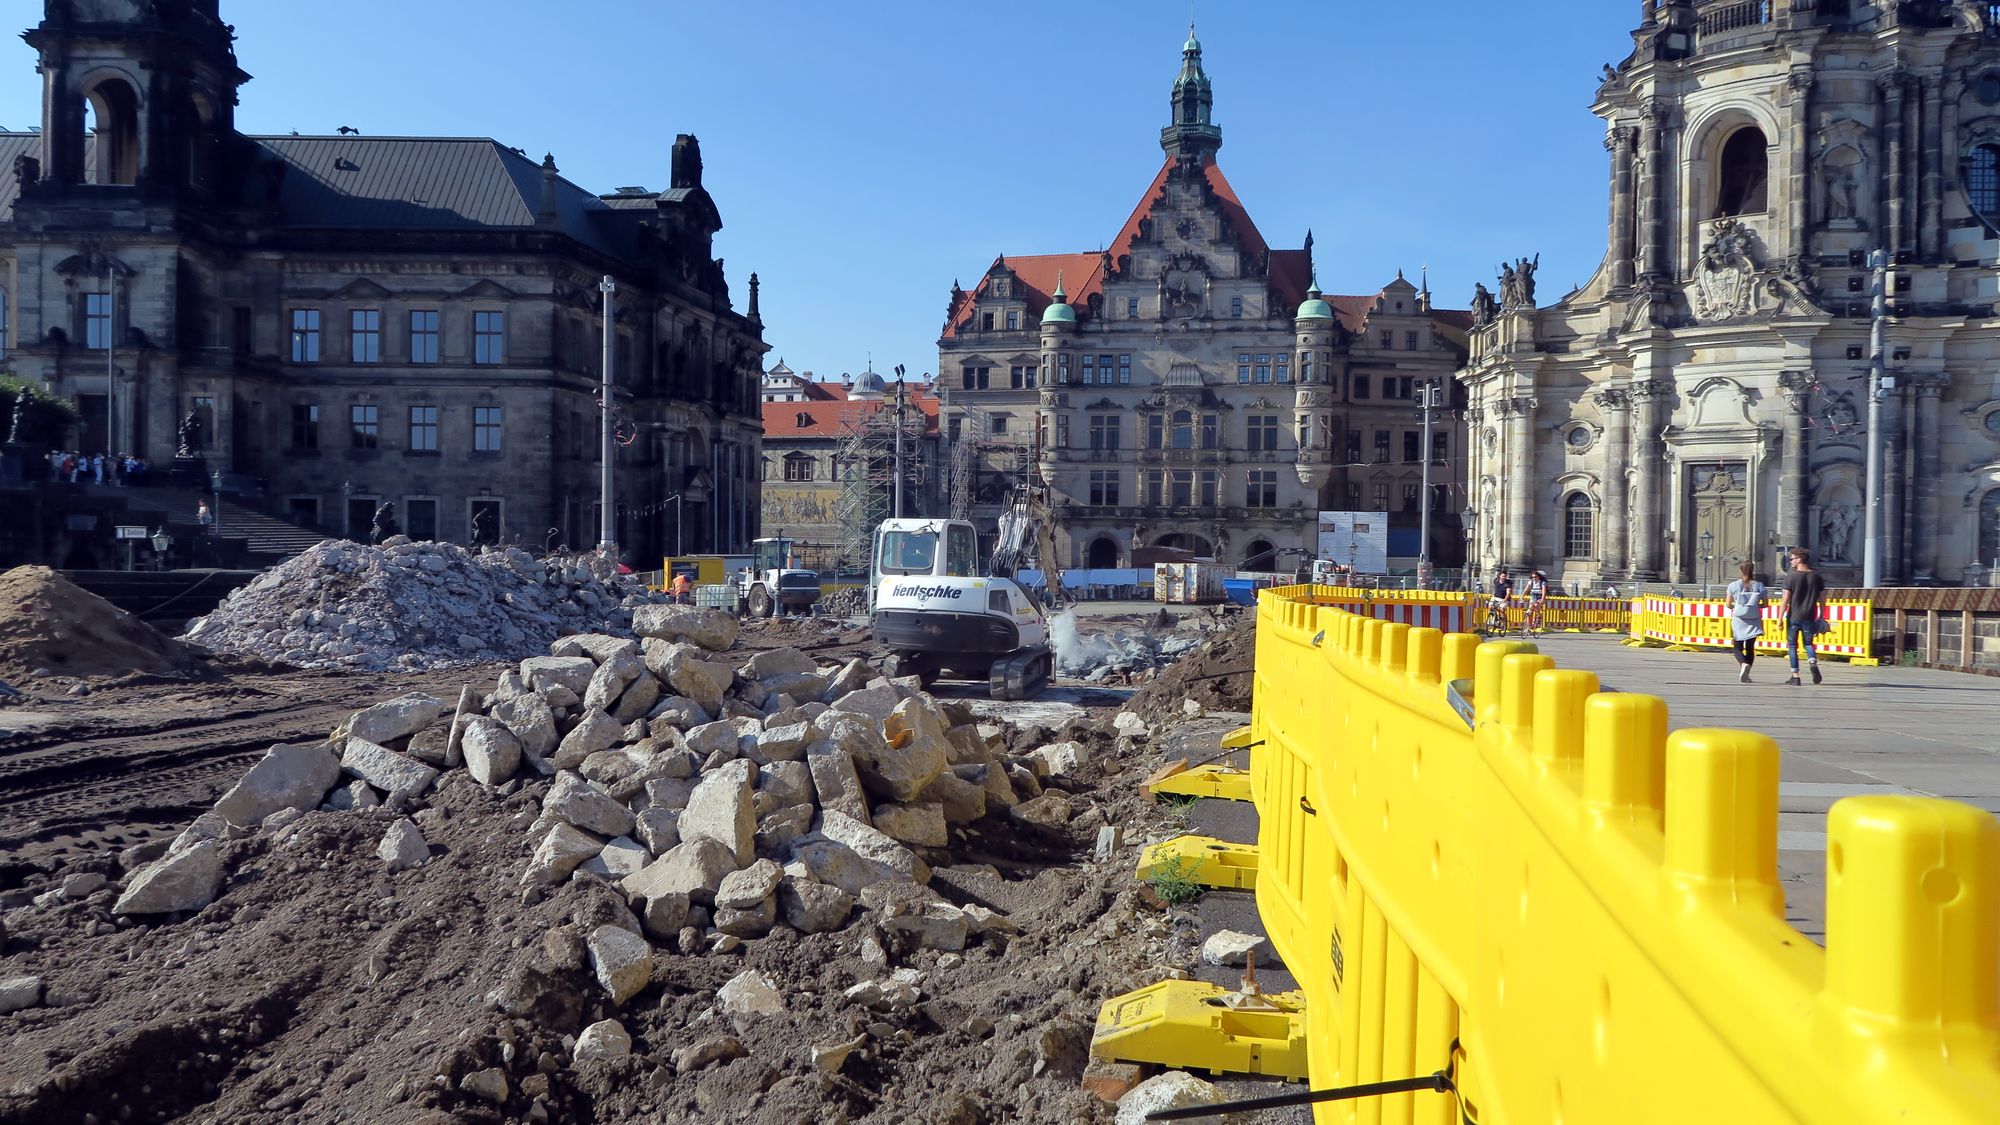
{"x":1083,"y":274}
{"x":833,"y":418}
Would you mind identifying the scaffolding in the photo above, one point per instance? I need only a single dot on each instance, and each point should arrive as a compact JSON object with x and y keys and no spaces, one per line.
{"x":865,"y":462}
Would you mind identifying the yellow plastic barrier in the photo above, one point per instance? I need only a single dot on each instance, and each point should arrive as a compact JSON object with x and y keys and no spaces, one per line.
{"x":1463,"y":846}
{"x":1690,"y":623}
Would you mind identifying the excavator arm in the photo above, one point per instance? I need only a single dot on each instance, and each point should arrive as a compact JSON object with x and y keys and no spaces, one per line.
{"x":1027,"y":535}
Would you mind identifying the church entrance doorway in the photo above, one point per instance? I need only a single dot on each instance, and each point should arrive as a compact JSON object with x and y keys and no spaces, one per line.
{"x":1718,"y":523}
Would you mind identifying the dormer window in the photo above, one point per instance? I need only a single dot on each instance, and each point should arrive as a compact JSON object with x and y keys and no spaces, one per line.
{"x":802,"y":419}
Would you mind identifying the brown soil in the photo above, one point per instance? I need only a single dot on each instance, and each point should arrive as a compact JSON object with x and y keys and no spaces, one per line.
{"x":1218,"y":675}
{"x":319,"y":987}
{"x":49,"y":624}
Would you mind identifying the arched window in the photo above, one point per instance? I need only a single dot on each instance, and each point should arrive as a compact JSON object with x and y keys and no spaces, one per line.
{"x":1183,"y":430}
{"x":1260,"y":555}
{"x":1103,"y":554}
{"x":1982,"y":180}
{"x":1579,"y":527}
{"x":112,"y":118}
{"x":1989,"y":529}
{"x":1744,"y":180}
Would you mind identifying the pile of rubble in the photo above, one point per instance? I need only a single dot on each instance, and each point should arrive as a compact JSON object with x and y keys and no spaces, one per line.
{"x":417,"y":606}
{"x":706,"y":809}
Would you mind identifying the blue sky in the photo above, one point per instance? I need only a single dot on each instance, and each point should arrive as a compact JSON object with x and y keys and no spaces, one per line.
{"x":865,"y":155}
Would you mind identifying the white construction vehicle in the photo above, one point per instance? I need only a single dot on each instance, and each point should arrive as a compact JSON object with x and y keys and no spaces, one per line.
{"x":771,"y":585}
{"x":935,"y":611}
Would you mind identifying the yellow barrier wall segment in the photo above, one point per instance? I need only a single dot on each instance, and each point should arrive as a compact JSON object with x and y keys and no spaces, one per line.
{"x":1590,"y":907}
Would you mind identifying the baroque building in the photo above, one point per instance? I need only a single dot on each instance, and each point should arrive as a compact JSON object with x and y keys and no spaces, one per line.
{"x":1189,"y":387}
{"x":829,"y":462}
{"x":1702,"y":399}
{"x":333,"y":322}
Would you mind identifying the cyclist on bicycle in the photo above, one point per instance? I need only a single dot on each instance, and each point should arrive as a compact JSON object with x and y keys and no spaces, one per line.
{"x":1496,"y":606}
{"x":1538,"y":593}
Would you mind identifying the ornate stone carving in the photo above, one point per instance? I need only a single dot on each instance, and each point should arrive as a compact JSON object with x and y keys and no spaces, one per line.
{"x":1725,"y":280}
{"x":1612,"y":399}
{"x":1517,"y":283}
{"x":1483,"y":306}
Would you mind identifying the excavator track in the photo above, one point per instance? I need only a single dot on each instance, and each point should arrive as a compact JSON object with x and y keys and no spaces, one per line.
{"x":1022,"y":674}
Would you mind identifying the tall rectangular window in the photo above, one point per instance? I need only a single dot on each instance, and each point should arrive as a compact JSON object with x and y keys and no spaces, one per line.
{"x":1243,"y":368}
{"x":1017,"y":376}
{"x":1089,"y":370}
{"x":240,"y":330}
{"x":364,"y":425}
{"x":1380,"y":496}
{"x":1013,"y":319}
{"x":1236,"y":307}
{"x":1410,"y":341}
{"x":97,"y":321}
{"x":1124,"y":370}
{"x":1262,"y":489}
{"x":1181,"y":488}
{"x":1411,"y":439}
{"x":1285,"y":368}
{"x":1104,"y":431}
{"x":1381,"y":447}
{"x":424,"y":428}
{"x":486,"y":429}
{"x":1032,"y":372}
{"x":489,"y":337}
{"x":1361,"y":386}
{"x":956,"y":428}
{"x":1411,"y":490}
{"x":1211,"y":431}
{"x":1263,"y":367}
{"x":305,"y":425}
{"x":1062,"y":431}
{"x":364,"y":335}
{"x":1440,"y":447}
{"x":423,"y":335}
{"x":986,"y":322}
{"x":305,"y":335}
{"x":1132,"y":308}
{"x":1209,"y":483}
{"x":1155,"y":495}
{"x":1263,"y":432}
{"x":1104,"y":488}
{"x":1156,"y":431}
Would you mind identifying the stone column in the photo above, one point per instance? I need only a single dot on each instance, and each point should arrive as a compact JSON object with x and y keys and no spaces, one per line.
{"x":1800,"y":213}
{"x":1893,"y":209}
{"x":1612,"y":558}
{"x":1792,"y":500}
{"x":1924,"y":526}
{"x":1652,"y":191}
{"x":1930,"y":222}
{"x":1648,"y":524}
{"x":1621,"y":141}
{"x":1520,"y":525}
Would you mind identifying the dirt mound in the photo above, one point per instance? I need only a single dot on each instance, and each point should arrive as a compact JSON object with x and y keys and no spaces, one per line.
{"x":1218,"y":675}
{"x":48,"y":622}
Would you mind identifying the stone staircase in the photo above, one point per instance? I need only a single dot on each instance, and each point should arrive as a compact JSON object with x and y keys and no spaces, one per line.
{"x":266,"y":539}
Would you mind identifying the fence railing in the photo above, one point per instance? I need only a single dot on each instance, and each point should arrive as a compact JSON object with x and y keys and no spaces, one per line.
{"x":1476,"y":862}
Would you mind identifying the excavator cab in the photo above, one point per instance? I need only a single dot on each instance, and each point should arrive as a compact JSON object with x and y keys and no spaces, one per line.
{"x":936,"y":610}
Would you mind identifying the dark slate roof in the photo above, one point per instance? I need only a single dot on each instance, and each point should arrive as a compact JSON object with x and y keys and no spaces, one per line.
{"x":407,"y":183}
{"x":11,"y":146}
{"x":429,"y":183}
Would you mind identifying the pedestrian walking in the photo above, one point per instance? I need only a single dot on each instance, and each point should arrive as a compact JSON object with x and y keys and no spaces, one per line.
{"x":202,"y":515}
{"x":97,"y":467}
{"x":1746,"y":618}
{"x":1805,"y":594}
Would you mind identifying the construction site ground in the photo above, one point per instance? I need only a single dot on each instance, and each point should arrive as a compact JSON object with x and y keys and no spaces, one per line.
{"x":321,"y":986}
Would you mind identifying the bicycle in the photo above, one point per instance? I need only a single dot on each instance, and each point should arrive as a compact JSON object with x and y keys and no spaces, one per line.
{"x":1532,"y":625}
{"x":1496,"y":617}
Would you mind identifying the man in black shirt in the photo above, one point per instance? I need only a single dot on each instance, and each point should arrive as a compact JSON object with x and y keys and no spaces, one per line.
{"x":1805,"y":593}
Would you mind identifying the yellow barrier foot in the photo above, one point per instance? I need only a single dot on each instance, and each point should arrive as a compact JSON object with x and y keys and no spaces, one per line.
{"x":1192,"y":1024}
{"x":1225,"y":783}
{"x":1201,"y":859}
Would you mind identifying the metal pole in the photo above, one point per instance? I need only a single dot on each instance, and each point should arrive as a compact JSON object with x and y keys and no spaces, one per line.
{"x":1871,"y":550}
{"x":111,"y":370}
{"x":1430,"y":392}
{"x":607,"y":535}
{"x":898,"y":503}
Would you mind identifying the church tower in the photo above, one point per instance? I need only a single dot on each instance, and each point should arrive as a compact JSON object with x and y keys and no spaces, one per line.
{"x":137,"y":94}
{"x":1192,"y":138}
{"x":1700,"y":401}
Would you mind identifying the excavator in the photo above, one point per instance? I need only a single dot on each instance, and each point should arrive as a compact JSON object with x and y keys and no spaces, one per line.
{"x":935,"y":613}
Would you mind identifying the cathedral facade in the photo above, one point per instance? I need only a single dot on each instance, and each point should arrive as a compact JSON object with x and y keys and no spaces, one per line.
{"x":332,"y":323}
{"x":1189,"y":387}
{"x":1703,"y":398}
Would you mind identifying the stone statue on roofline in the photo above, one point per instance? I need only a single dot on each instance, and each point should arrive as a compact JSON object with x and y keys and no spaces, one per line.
{"x":1483,"y":307}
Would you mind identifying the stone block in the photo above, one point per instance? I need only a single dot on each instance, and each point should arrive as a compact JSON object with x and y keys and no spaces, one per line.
{"x":385,"y":769}
{"x":286,"y":777}
{"x":720,"y":810}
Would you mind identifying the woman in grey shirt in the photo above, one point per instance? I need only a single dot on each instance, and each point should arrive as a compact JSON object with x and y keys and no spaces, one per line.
{"x":1746,"y":618}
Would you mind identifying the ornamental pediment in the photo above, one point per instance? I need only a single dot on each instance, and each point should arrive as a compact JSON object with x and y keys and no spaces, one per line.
{"x":1734,"y":279}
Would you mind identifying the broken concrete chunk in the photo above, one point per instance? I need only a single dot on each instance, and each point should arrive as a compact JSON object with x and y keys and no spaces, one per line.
{"x":749,"y":993}
{"x":693,"y":867}
{"x":531,"y":720}
{"x":403,"y":846}
{"x":748,"y":922}
{"x":582,"y":804}
{"x":720,"y":810}
{"x":637,"y":701}
{"x":707,"y":1053}
{"x":621,"y":857}
{"x":920,"y":824}
{"x":396,"y":718}
{"x":778,"y":829}
{"x":784,"y":743}
{"x":961,"y":801}
{"x":812,"y":907}
{"x":1130,"y":724}
{"x":894,"y":859}
{"x":599,"y":647}
{"x":489,"y":1084}
{"x":561,"y":849}
{"x":710,"y":738}
{"x":19,"y":993}
{"x":605,"y":1039}
{"x":1176,"y":1089}
{"x":659,"y":829}
{"x":492,"y":751}
{"x":664,"y":915}
{"x":570,"y":672}
{"x":836,"y":781}
{"x":621,"y":960}
{"x":286,"y":777}
{"x":712,"y":629}
{"x":594,"y":731}
{"x":788,"y":783}
{"x":385,"y":769}
{"x":1049,"y":812}
{"x":611,"y":679}
{"x":186,"y":878}
{"x":1233,"y":948}
{"x":749,"y":887}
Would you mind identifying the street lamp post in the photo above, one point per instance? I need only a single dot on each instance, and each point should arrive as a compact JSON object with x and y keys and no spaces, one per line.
{"x":606,"y":514}
{"x":1879,"y":385}
{"x":896,"y":508}
{"x":675,"y":500}
{"x":1466,"y":520}
{"x":1430,"y":397}
{"x":1707,"y":557}
{"x":215,"y":482}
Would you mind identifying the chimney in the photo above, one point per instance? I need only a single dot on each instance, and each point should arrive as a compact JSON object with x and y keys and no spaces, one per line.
{"x":547,"y":215}
{"x":686,"y":162}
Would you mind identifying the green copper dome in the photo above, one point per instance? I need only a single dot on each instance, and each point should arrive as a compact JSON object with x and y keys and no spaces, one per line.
{"x":1059,"y":311}
{"x":1314,"y":308}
